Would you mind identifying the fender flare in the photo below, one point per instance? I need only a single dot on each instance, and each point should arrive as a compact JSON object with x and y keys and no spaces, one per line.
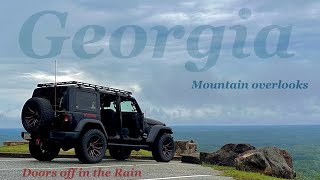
{"x":154,"y":131}
{"x":83,"y":122}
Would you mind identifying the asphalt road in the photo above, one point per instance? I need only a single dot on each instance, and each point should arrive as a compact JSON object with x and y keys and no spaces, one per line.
{"x":63,"y":168}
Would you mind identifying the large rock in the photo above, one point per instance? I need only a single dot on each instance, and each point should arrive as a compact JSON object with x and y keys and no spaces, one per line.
{"x":185,"y":147}
{"x":271,"y":161}
{"x":191,"y":158}
{"x":226,"y":155}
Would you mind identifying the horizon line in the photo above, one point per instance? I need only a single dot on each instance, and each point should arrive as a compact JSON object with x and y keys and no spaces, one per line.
{"x":213,"y":125}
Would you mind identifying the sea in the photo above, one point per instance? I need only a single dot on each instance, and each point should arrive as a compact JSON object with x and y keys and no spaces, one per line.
{"x":302,"y":142}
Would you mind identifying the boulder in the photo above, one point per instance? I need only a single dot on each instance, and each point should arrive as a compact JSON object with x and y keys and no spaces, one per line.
{"x":191,"y":158}
{"x":185,"y":147}
{"x":286,"y":155}
{"x":226,"y":155}
{"x":271,"y":161}
{"x":203,"y":156}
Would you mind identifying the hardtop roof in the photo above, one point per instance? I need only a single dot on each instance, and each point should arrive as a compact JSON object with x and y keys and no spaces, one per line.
{"x":102,"y":89}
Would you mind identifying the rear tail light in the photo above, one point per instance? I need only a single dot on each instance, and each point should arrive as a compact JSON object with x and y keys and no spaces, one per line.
{"x":67,"y":118}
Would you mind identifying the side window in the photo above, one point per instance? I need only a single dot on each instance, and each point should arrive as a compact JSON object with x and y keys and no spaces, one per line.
{"x":112,"y":106}
{"x":86,"y":101}
{"x":128,"y":106}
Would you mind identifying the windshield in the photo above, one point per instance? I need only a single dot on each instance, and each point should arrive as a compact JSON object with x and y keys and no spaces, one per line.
{"x":48,"y":93}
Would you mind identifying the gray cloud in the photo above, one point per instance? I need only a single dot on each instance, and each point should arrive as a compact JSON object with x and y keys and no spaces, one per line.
{"x":163,"y":86}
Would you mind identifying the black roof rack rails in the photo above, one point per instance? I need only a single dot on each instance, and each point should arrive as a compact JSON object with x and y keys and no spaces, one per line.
{"x":97,"y":87}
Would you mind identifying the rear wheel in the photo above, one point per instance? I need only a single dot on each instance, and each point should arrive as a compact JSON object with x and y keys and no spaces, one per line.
{"x":163,"y":148}
{"x":120,"y":154}
{"x":91,"y":147}
{"x":43,"y":150}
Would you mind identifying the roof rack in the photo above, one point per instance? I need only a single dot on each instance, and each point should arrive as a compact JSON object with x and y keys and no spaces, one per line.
{"x":97,"y":87}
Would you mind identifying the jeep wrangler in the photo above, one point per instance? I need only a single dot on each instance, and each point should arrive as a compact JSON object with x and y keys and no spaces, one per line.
{"x":91,"y":119}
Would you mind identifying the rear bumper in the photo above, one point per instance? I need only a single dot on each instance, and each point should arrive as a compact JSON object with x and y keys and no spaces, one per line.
{"x":62,"y":136}
{"x":55,"y":135}
{"x":25,"y":136}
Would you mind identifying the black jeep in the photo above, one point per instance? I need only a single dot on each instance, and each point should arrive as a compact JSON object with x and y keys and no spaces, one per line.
{"x":91,"y":119}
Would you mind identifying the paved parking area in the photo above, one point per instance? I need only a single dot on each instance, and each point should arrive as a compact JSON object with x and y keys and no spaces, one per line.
{"x":67,"y":168}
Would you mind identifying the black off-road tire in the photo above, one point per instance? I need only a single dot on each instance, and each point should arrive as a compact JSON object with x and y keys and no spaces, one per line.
{"x":120,"y":154}
{"x":44,"y":151}
{"x":91,"y":147}
{"x":37,"y":115}
{"x":163,"y":148}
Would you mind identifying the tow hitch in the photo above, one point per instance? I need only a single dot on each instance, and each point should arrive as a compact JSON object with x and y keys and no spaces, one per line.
{"x":38,"y":142}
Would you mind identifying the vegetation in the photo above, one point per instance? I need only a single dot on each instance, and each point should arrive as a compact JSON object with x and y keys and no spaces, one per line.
{"x":25,"y":150}
{"x":141,"y":153}
{"x":15,"y":149}
{"x":241,"y":175}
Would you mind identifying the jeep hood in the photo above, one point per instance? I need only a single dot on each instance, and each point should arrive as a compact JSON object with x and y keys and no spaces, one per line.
{"x":153,"y":122}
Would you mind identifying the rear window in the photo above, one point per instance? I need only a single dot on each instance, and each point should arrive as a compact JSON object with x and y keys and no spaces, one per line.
{"x":48,"y":93}
{"x":86,"y":101}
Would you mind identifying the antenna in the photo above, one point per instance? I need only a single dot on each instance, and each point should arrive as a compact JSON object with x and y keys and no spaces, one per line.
{"x":55,"y":88}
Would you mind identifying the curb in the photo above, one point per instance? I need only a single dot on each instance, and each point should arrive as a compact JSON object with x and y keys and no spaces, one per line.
{"x":16,"y":155}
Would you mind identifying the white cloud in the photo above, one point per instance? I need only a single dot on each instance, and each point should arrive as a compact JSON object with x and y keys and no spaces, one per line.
{"x":168,"y":17}
{"x":135,"y":88}
{"x":74,"y":75}
{"x":194,"y":18}
{"x":63,"y":76}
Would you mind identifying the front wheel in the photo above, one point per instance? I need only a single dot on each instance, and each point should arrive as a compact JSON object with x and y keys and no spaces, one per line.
{"x":163,"y":148}
{"x":91,"y":147}
{"x":120,"y":154}
{"x":43,"y":150}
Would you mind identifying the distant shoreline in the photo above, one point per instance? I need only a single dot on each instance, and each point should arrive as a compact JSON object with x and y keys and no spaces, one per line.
{"x":211,"y":125}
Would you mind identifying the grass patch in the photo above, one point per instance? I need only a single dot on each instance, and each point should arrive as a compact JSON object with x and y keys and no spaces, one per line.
{"x":241,"y":175}
{"x":15,"y":149}
{"x":25,"y":150}
{"x":141,"y":153}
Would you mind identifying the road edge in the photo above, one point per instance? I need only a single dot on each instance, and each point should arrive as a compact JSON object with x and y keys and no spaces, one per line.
{"x":22,"y":155}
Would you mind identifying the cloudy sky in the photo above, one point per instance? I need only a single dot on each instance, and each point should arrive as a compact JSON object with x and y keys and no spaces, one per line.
{"x":163,"y":85}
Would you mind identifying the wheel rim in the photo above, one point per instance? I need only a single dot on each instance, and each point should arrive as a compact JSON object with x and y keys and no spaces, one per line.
{"x":43,"y":149}
{"x":46,"y":148}
{"x":95,"y":146}
{"x":31,"y":117}
{"x":167,"y":148}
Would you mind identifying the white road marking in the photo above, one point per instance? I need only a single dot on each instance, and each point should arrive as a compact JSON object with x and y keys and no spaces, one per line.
{"x":178,"y":177}
{"x":9,"y":160}
{"x":75,"y":160}
{"x":84,"y":167}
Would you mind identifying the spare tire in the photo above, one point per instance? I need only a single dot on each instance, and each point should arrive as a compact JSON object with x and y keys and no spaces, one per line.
{"x":37,"y":115}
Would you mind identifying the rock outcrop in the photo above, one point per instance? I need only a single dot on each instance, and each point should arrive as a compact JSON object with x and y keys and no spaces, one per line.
{"x":185,"y":147}
{"x":271,"y":161}
{"x":191,"y":158}
{"x":226,"y":155}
